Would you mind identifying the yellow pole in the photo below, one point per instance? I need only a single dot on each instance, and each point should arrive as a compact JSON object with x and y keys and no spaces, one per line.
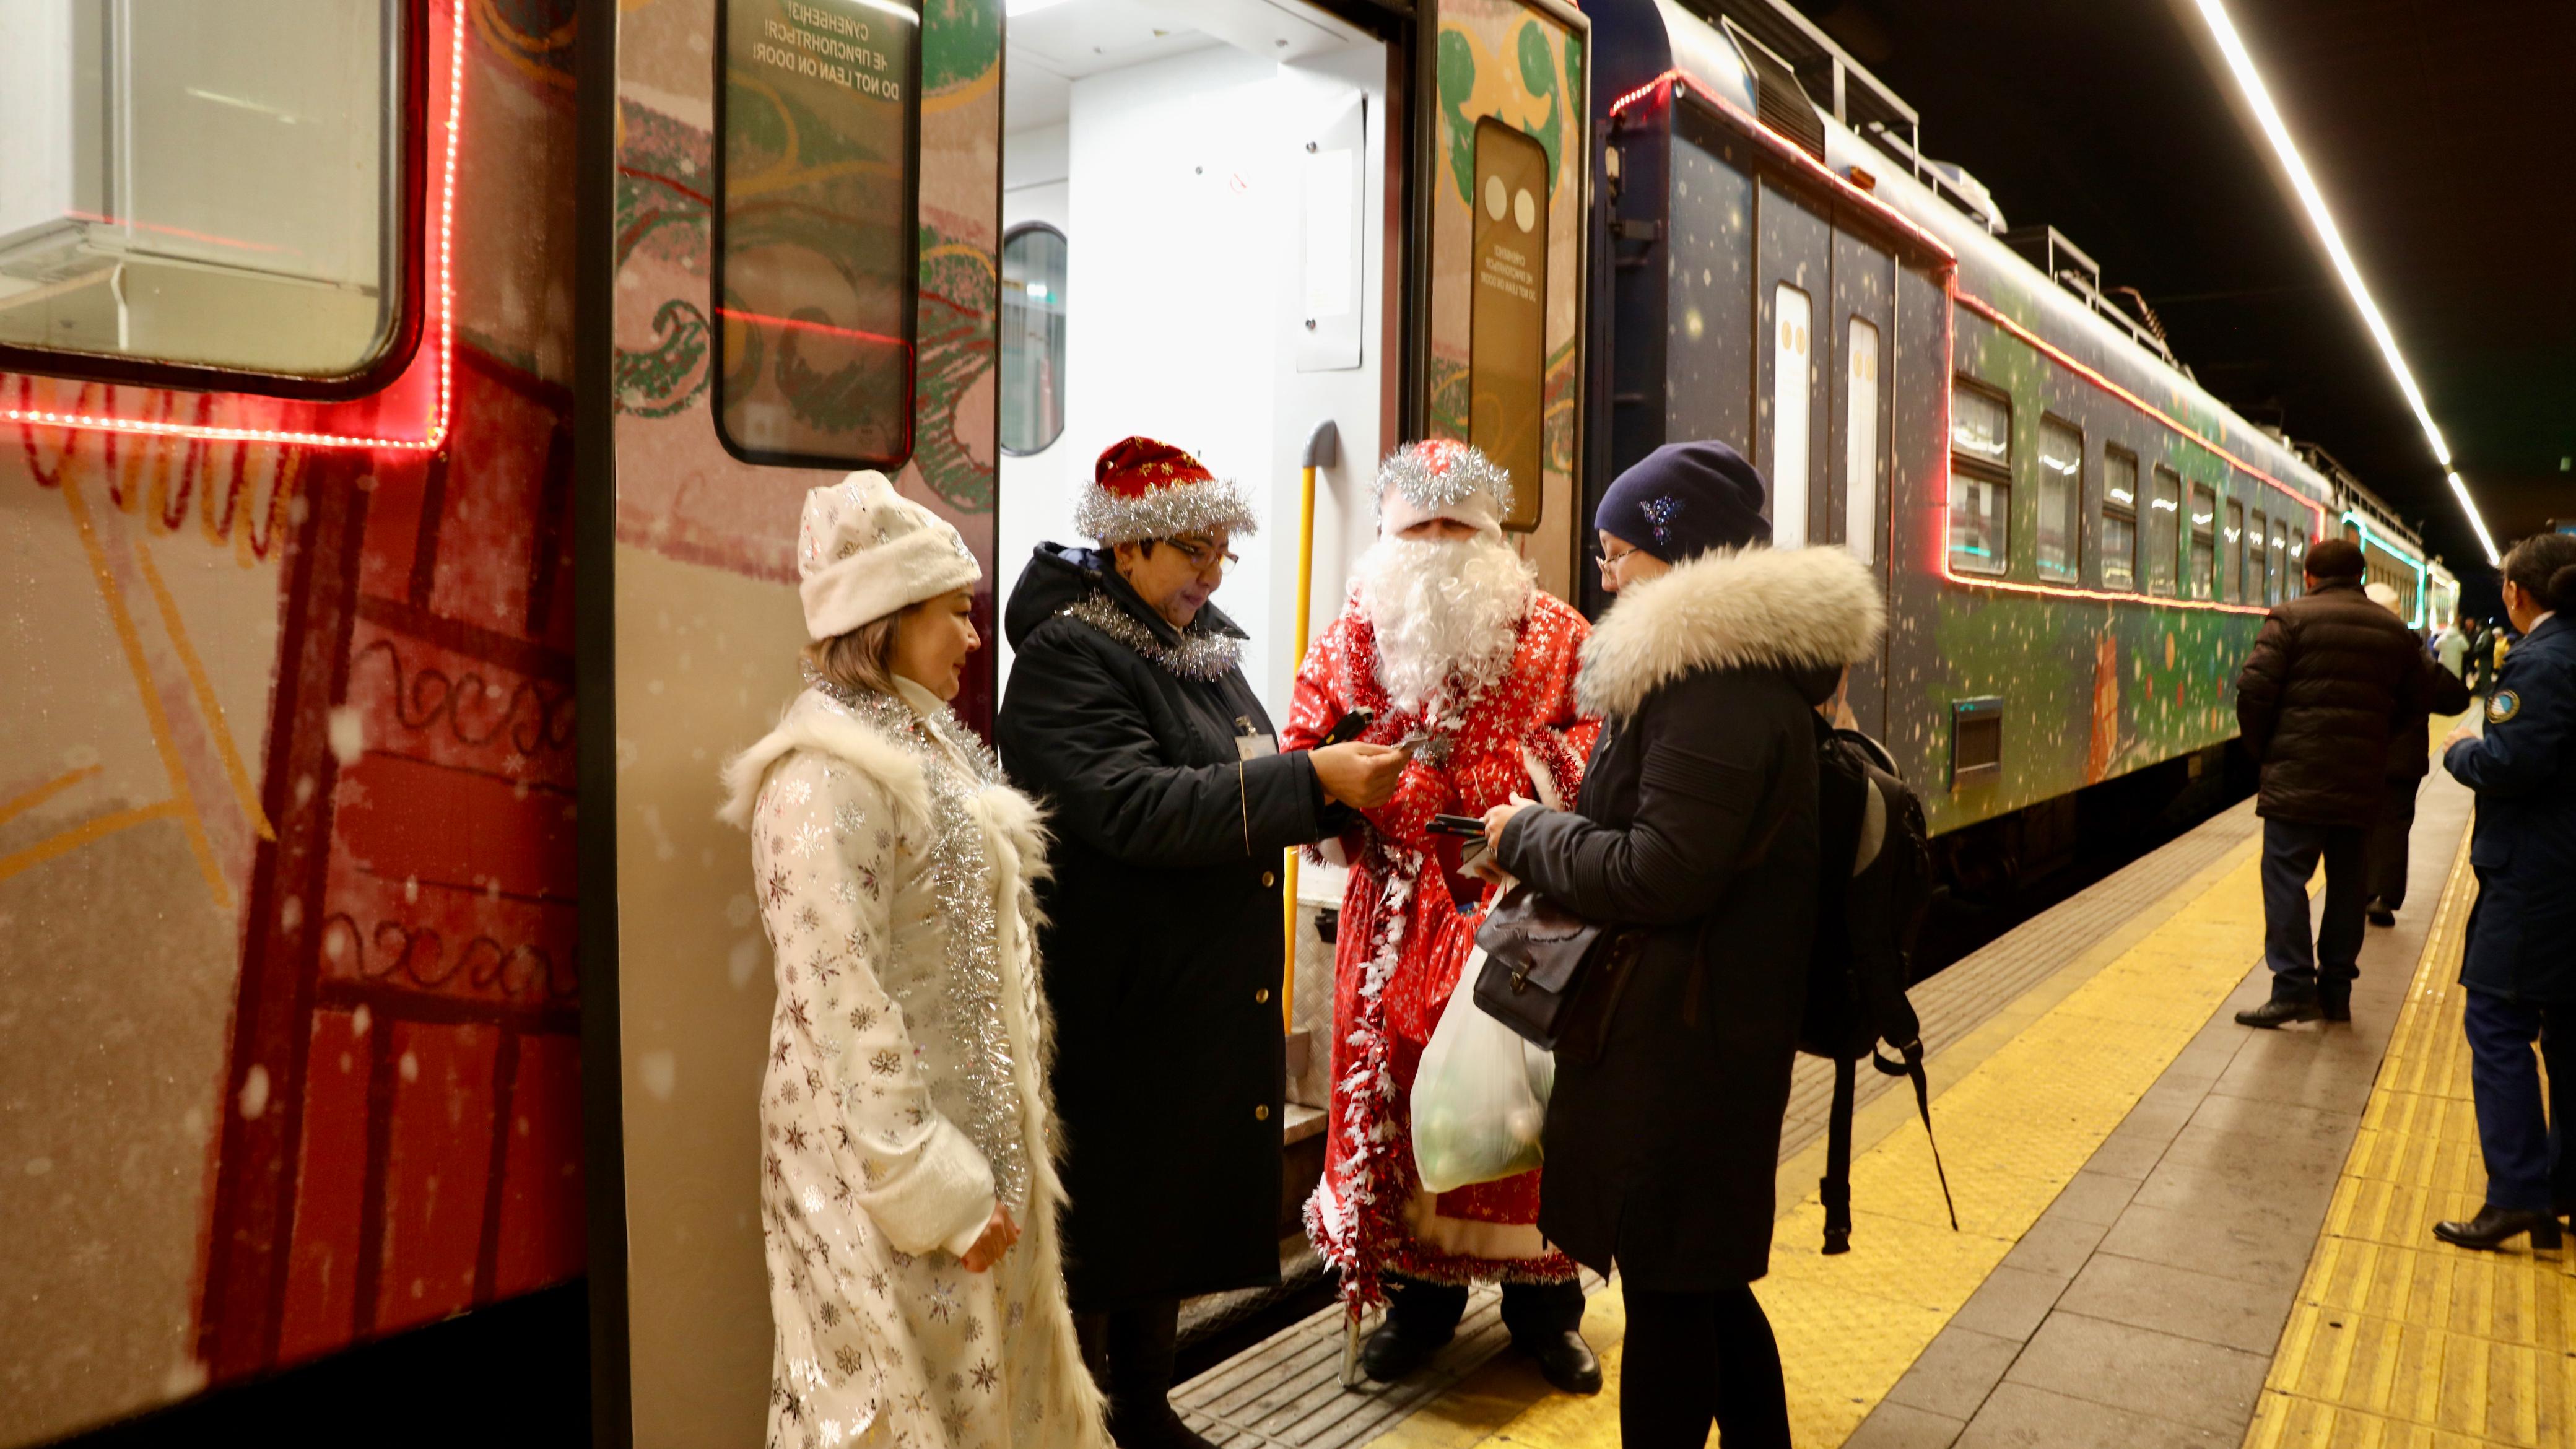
{"x":1305,"y":594}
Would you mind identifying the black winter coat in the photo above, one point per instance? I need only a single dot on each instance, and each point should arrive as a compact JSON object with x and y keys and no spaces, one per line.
{"x":2333,"y":677}
{"x":2410,"y":747}
{"x":2522,"y":931}
{"x":1162,"y":943}
{"x":1698,"y":822}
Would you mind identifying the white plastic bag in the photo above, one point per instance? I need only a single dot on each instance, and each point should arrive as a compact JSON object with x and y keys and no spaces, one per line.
{"x":1480,"y":1096}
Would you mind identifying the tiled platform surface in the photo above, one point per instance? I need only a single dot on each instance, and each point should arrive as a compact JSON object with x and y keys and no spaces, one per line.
{"x":2143,"y":1308}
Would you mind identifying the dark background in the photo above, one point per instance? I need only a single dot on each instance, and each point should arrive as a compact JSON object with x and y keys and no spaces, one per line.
{"x":2444,"y":138}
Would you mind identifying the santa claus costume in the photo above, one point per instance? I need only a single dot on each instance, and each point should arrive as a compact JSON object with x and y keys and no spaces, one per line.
{"x":905,"y":1097}
{"x":1447,"y":639}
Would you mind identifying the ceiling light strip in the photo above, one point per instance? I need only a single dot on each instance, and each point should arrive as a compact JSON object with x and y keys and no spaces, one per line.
{"x":2250,"y":82}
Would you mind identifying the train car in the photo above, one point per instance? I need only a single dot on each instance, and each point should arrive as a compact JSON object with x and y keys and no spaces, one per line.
{"x":290,"y":975}
{"x":2078,"y":541}
{"x":407,"y":405}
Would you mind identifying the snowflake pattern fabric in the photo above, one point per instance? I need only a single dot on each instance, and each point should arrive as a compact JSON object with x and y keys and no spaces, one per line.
{"x":881,"y":1078}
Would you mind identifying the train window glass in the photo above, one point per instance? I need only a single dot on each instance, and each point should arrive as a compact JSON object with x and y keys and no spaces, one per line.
{"x":816,"y":256}
{"x":2274,"y":562}
{"x":2294,"y":574}
{"x":1980,"y":480}
{"x":1793,"y":344}
{"x":2258,"y":557}
{"x":1032,"y":380}
{"x":2119,"y":520}
{"x":2232,"y":568}
{"x":212,"y":185}
{"x":2061,"y":500}
{"x":2163,"y":530}
{"x":1860,"y":441}
{"x":2204,"y":542}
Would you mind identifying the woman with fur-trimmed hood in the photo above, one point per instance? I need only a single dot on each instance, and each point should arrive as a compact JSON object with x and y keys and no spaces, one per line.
{"x":1697,"y":824}
{"x":908,"y":1192}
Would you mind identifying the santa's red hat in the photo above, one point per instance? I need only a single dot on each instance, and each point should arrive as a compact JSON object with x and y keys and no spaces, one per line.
{"x":1141,"y":489}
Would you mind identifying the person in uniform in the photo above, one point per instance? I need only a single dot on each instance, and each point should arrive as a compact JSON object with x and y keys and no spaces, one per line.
{"x":2520,"y":965}
{"x":1172,"y":807}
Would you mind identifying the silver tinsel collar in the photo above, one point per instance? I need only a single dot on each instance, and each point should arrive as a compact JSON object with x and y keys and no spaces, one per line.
{"x":1199,"y":657}
{"x":1439,"y":473}
{"x":1198,"y":508}
{"x":986,"y":1104}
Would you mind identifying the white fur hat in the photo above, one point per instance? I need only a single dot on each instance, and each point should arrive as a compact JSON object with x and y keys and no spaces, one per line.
{"x":864,"y":551}
{"x":2384,"y":595}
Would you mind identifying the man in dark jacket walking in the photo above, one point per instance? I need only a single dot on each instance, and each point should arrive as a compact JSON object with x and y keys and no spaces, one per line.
{"x":2410,"y":759}
{"x":1172,"y":807}
{"x":2332,"y":678}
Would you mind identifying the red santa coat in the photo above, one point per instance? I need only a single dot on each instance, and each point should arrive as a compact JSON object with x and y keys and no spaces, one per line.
{"x":1403,"y":941}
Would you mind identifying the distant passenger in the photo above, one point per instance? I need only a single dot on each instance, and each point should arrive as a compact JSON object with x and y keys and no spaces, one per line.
{"x":1173,"y":806}
{"x":2453,"y":647}
{"x":2332,"y":679}
{"x":1447,"y":640}
{"x":908,"y":1187}
{"x":2410,"y":759}
{"x":2520,"y":965}
{"x":1696,"y":826}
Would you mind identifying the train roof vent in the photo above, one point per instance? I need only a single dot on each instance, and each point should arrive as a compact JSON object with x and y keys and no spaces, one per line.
{"x":1779,"y":102}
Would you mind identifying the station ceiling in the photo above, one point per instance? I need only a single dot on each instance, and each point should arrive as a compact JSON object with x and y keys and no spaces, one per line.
{"x":2443,"y":133}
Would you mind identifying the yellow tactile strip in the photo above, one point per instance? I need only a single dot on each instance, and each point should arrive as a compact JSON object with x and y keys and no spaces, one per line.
{"x":2397,"y":1338}
{"x":2014,"y":1129}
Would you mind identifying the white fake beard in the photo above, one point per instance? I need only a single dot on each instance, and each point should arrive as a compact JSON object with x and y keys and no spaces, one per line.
{"x":1442,"y":607}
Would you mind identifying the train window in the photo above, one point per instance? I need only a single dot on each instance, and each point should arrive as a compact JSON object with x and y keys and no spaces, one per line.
{"x":2232,"y":568}
{"x":2163,"y":530}
{"x":1860,"y":441}
{"x":816,"y":255}
{"x":2258,"y":576}
{"x":2119,"y":520}
{"x":214,"y":188}
{"x":2061,"y":500}
{"x":2294,"y":573}
{"x":1793,"y":345}
{"x":2204,"y":542}
{"x":1032,"y":380}
{"x":2275,"y":560}
{"x":1980,"y":480}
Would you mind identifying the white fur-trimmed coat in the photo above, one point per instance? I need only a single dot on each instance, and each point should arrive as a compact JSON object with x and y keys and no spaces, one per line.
{"x":870,"y":1186}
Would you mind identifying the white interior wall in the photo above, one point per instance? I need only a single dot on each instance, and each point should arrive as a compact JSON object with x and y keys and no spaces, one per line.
{"x":35,"y":113}
{"x":1179,"y":205}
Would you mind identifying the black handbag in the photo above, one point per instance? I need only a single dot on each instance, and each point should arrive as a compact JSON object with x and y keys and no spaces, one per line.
{"x":1551,"y":976}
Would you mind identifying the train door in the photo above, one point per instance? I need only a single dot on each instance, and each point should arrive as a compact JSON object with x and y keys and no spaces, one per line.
{"x":1197,"y":252}
{"x":1854,"y":510}
{"x":1793,"y":356}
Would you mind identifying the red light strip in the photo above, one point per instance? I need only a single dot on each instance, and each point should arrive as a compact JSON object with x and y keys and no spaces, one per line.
{"x":1791,"y":152}
{"x":435,"y":432}
{"x":203,"y":236}
{"x":764,"y":319}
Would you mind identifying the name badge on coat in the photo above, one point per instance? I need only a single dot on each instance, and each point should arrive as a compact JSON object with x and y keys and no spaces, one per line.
{"x":1251,"y":746}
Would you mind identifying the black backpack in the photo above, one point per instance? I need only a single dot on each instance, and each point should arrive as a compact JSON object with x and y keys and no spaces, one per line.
{"x":1873,"y":883}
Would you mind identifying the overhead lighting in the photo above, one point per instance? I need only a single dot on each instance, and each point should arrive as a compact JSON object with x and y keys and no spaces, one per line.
{"x":1017,"y":8}
{"x":2223,"y":30}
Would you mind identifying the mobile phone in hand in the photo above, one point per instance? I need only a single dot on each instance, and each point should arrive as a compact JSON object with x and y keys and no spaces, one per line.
{"x":1456,"y":825}
{"x":1350,"y":726}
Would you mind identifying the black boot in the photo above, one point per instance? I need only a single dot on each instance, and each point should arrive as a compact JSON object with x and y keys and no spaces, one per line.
{"x":2381,"y":913}
{"x":1421,"y":1318}
{"x":2291,"y":1001}
{"x":2334,"y":998}
{"x":2493,"y":1227}
{"x":1136,"y":1344}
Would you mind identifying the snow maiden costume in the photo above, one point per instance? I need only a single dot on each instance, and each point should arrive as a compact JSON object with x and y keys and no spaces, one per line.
{"x":1452,"y":644}
{"x":905,"y":1094}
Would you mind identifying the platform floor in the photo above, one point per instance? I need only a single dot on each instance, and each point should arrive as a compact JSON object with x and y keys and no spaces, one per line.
{"x":2149,"y":1196}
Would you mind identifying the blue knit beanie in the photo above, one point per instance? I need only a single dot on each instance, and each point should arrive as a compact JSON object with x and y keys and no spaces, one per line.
{"x":1684,"y":499}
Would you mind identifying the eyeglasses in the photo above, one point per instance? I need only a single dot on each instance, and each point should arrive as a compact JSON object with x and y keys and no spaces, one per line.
{"x":1606,"y":560}
{"x":1205,"y":557}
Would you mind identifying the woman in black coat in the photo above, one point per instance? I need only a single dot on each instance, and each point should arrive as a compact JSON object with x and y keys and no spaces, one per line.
{"x":1697,"y":823}
{"x":1172,"y":807}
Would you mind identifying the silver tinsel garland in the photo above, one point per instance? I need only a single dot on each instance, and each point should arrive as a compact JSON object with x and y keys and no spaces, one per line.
{"x":1468,"y":473}
{"x":1199,"y":508}
{"x":961,"y":879}
{"x":1199,"y":657}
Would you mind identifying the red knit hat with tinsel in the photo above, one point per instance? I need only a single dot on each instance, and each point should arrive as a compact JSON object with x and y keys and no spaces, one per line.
{"x":1142,"y":488}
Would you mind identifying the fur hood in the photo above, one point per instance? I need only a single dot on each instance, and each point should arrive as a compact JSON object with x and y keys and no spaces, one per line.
{"x":1781,"y":608}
